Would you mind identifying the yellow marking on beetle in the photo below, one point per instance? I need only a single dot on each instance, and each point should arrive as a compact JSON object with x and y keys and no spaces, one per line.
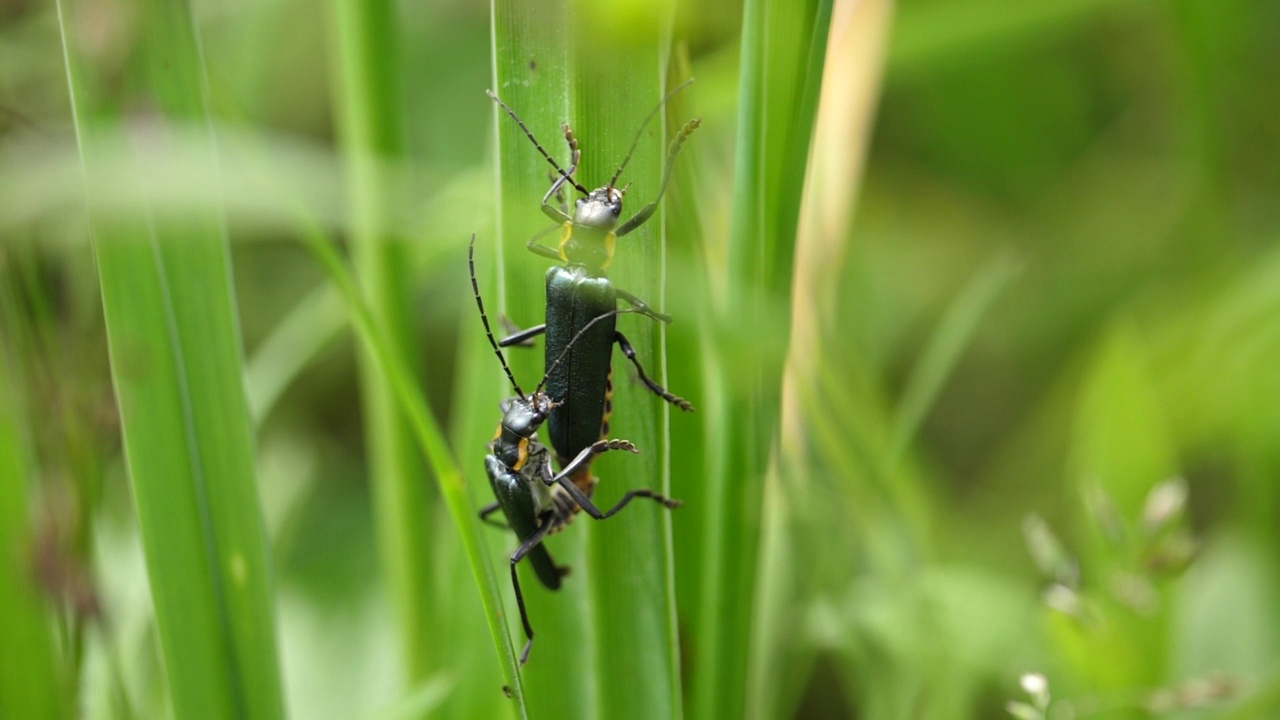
{"x":609,"y":243}
{"x":522,"y":454}
{"x":497,"y":434}
{"x":565,"y":234}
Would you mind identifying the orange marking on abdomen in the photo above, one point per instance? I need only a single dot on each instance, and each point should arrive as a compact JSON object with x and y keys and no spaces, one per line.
{"x":585,"y":481}
{"x":608,"y":405}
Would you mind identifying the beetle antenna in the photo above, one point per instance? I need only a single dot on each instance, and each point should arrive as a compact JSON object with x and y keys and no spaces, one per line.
{"x":613,"y":180}
{"x":565,"y":352}
{"x":475,"y":287}
{"x":529,"y":134}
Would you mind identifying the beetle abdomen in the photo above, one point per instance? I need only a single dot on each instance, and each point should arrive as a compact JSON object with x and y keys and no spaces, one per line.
{"x":517,"y":502}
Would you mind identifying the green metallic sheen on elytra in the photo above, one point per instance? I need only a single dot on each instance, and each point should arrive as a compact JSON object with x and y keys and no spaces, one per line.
{"x":579,"y":292}
{"x":576,"y":295}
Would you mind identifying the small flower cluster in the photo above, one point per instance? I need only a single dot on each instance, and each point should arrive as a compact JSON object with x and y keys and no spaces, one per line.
{"x":1036,"y":686}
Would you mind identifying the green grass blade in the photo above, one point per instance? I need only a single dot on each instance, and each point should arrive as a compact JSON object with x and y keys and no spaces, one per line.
{"x":476,"y":403}
{"x":314,"y":322}
{"x":630,"y":556}
{"x":177,"y":368}
{"x":531,"y":75}
{"x":687,"y":363}
{"x":783,"y":50}
{"x":611,"y":629}
{"x":272,"y":370}
{"x":944,"y":348}
{"x":369,"y":108}
{"x":29,"y":682}
{"x":806,"y":491}
{"x":431,"y":441}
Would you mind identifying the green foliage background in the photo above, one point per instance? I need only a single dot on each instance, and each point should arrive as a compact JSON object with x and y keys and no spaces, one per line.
{"x":1028,"y":276}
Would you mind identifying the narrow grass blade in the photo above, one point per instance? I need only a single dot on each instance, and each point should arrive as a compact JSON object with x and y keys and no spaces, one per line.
{"x":177,"y":368}
{"x":433,"y":445}
{"x":783,"y":51}
{"x":799,"y":496}
{"x":314,"y":322}
{"x":474,"y":699}
{"x":943,"y":350}
{"x":630,"y":555}
{"x":476,"y":403}
{"x":531,"y":74}
{"x":686,"y":214}
{"x":369,"y":108}
{"x":611,"y":629}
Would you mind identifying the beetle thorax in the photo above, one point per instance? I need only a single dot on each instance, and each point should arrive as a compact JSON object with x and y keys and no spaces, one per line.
{"x":599,"y":210}
{"x":521,"y":418}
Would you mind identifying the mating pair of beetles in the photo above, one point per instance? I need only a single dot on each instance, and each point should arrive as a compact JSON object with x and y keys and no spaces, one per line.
{"x":581,"y":330}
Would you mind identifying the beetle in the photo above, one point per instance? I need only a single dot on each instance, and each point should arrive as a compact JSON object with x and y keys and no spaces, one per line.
{"x":538,"y":502}
{"x":579,"y":292}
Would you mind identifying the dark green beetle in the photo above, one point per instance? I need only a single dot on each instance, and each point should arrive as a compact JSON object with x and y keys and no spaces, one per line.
{"x":579,"y":292}
{"x":536,"y":501}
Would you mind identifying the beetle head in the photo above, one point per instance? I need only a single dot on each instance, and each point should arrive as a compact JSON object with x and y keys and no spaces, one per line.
{"x":522,"y":416}
{"x":599,"y":210}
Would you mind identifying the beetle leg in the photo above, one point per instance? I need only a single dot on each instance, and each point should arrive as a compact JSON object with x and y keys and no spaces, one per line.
{"x":647,"y":211}
{"x":522,"y":337}
{"x":560,"y":210}
{"x":529,"y":544}
{"x":657,"y":389}
{"x":584,"y":459}
{"x":490,"y":509}
{"x":596,"y":513}
{"x":538,"y":248}
{"x":555,"y":213}
{"x":561,"y":213}
{"x":557,"y":189}
{"x":642,"y":307}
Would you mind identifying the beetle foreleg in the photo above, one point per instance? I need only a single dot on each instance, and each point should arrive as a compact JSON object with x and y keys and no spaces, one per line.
{"x":538,"y":248}
{"x":555,"y":213}
{"x":647,"y":211}
{"x":584,"y":459}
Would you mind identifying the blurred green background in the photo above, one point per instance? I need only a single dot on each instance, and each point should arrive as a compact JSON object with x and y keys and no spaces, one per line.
{"x":1032,"y":421}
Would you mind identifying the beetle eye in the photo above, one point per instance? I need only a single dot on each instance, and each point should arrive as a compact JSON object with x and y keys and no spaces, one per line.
{"x":616,"y":210}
